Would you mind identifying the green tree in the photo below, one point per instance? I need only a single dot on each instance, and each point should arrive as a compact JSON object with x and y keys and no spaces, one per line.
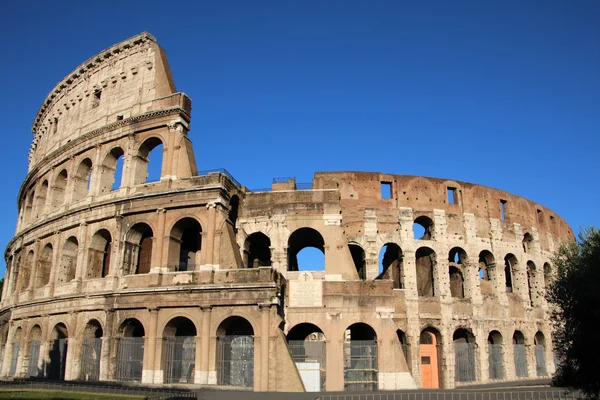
{"x":575,"y":296}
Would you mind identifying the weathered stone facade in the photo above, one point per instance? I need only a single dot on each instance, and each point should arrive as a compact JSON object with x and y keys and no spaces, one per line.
{"x":111,"y":257}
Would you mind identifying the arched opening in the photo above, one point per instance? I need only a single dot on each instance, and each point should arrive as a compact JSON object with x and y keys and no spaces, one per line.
{"x":185,"y":243}
{"x":540,"y":354}
{"x":68,"y":261}
{"x":391,"y":264}
{"x":486,"y":266}
{"x":426,"y":266}
{"x":33,"y":367}
{"x":29,"y":208}
{"x":59,"y":188}
{"x":40,"y":201}
{"x":527,"y":243}
{"x":532,"y":283}
{"x":358,"y":258}
{"x":464,"y":356}
{"x":25,"y":271}
{"x":423,"y":228}
{"x":112,"y":170}
{"x":404,"y":346}
{"x":457,"y":259}
{"x":91,"y":350}
{"x":306,"y":250}
{"x":234,"y":204}
{"x":510,"y":261}
{"x":179,"y":351}
{"x":82,"y":180}
{"x":429,"y":353}
{"x":360,"y":358}
{"x":496,"y":365}
{"x":42,"y":275}
{"x":235,"y":353}
{"x":99,"y":254}
{"x":55,"y":369}
{"x":257,"y":250}
{"x":138,"y":250}
{"x":547,"y":275}
{"x":307,"y":346}
{"x":149,"y":160}
{"x":130,"y":351}
{"x":520,"y":354}
{"x":16,"y":345}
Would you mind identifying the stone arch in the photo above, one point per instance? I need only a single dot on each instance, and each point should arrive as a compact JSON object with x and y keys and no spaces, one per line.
{"x":510,"y":262}
{"x":548,"y":274}
{"x":138,"y":249}
{"x":464,"y":355}
{"x":59,"y":188}
{"x":457,"y":260}
{"x":130,"y":350}
{"x":539,"y":342}
{"x":360,"y":358}
{"x":392,"y":264}
{"x":527,"y":243}
{"x":358,"y":257}
{"x":426,"y":266}
{"x":257,"y":250}
{"x":55,"y":369}
{"x":40,"y":200}
{"x":82,"y":179}
{"x":93,"y":329}
{"x":299,"y":240}
{"x":25,"y":270}
{"x":99,"y":254}
{"x":42,"y":275}
{"x":487,"y":263}
{"x":179,"y":350}
{"x":495,"y":355}
{"x":520,"y":354}
{"x":91,"y":350}
{"x":305,"y":331}
{"x":423,"y":228}
{"x":532,"y":286}
{"x":149,"y":150}
{"x":185,"y":244}
{"x":33,"y":351}
{"x":235,"y":341}
{"x":68,"y":261}
{"x":430,"y":352}
{"x":111,"y":166}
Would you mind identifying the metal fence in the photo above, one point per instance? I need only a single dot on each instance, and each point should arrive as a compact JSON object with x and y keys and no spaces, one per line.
{"x":309,"y":357}
{"x":34,"y":357}
{"x":14,"y":358}
{"x":464,"y":358}
{"x":235,"y":360}
{"x":540,"y":360}
{"x":495,"y":361}
{"x":179,"y":356}
{"x":58,"y":359}
{"x":130,"y":357}
{"x":360,"y":365}
{"x":90,"y":359}
{"x":551,"y":394}
{"x":520,"y":360}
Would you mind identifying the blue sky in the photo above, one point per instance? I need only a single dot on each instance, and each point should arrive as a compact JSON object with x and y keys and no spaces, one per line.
{"x":500,"y":93}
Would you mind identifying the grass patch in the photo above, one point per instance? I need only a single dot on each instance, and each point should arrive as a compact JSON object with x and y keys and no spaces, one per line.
{"x":61,"y":395}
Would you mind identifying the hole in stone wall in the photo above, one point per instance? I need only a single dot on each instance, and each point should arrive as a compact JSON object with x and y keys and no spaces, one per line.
{"x":452,"y":195}
{"x":386,"y":190}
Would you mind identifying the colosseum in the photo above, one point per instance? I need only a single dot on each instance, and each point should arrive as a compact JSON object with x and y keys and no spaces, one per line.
{"x":195,"y":279}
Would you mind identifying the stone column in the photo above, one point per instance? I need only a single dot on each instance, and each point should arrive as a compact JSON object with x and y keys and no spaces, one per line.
{"x":203,"y":371}
{"x":159,"y":261}
{"x":335,"y":355}
{"x":150,"y":350}
{"x":264,"y":347}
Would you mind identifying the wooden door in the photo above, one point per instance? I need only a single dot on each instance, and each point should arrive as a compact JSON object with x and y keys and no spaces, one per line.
{"x":429,"y":361}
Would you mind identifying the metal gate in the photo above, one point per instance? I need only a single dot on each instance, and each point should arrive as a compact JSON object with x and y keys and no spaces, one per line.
{"x":179,"y":356}
{"x":464,"y":358}
{"x":90,"y":359}
{"x":495,"y":361}
{"x":14,"y":358}
{"x":360,"y":365}
{"x":309,"y":357}
{"x":520,"y":360}
{"x":235,"y":360}
{"x":34,"y":357}
{"x":130,"y":359}
{"x":58,"y":359}
{"x":540,"y":360}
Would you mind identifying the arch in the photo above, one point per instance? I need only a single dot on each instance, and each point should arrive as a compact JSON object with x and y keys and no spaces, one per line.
{"x":426,"y":265}
{"x":35,"y":337}
{"x":112,"y":170}
{"x":42,"y":275}
{"x":510,"y":261}
{"x":540,"y":354}
{"x":25,"y":270}
{"x":99,"y":254}
{"x":464,"y":355}
{"x":305,"y":331}
{"x":91,"y":351}
{"x":40,"y":200}
{"x":527,"y":242}
{"x":391,"y":264}
{"x":179,"y":350}
{"x":130,"y":350}
{"x":429,"y":358}
{"x":532,"y":288}
{"x":82,"y":179}
{"x":29,"y":206}
{"x":185,"y":243}
{"x":307,"y":346}
{"x":423,"y":228}
{"x":495,"y":358}
{"x":149,"y":161}
{"x":59,"y":188}
{"x":16,"y":344}
{"x":520,"y":354}
{"x":358,"y":257}
{"x":486,"y":266}
{"x":257,"y":250}
{"x":235,"y":352}
{"x":138,"y":249}
{"x":55,"y":369}
{"x":548,"y":274}
{"x":68,"y":261}
{"x":360,"y":358}
{"x":299,"y":240}
{"x":457,"y":257}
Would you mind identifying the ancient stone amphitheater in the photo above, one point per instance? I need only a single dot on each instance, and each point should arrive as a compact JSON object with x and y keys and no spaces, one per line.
{"x":194,"y":279}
